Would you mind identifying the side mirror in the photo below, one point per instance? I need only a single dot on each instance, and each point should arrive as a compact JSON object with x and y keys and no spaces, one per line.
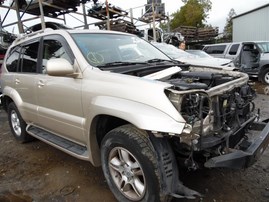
{"x":59,"y":67}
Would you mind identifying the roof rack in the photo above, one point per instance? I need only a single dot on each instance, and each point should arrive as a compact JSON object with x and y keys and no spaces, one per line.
{"x":24,"y":36}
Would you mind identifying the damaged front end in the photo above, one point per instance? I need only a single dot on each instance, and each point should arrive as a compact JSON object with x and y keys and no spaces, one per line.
{"x":220,"y":119}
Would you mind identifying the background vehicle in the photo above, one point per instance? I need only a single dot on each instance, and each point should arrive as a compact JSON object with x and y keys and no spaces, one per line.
{"x":6,"y":39}
{"x":220,"y":50}
{"x":117,"y":101}
{"x":52,"y":25}
{"x":211,"y":59}
{"x":148,"y":34}
{"x":186,"y":57}
{"x":249,"y":57}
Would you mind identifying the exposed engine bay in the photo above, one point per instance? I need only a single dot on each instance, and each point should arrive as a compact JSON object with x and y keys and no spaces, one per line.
{"x":216,"y":113}
{"x":219,"y":112}
{"x":218,"y":109}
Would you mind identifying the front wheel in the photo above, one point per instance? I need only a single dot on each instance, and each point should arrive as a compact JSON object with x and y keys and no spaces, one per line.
{"x":265,"y":76}
{"x":130,"y":165}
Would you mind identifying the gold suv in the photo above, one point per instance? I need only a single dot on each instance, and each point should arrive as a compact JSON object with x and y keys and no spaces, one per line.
{"x":115,"y":100}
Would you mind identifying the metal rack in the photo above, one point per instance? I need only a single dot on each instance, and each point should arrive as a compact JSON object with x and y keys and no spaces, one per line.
{"x":111,"y":17}
{"x":43,"y":8}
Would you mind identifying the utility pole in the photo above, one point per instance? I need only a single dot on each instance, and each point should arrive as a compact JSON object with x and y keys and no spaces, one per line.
{"x":131,"y":14}
{"x":168,"y":20}
{"x":86,"y":26}
{"x":43,"y":26}
{"x":153,"y":20}
{"x":20,"y":27}
{"x":108,"y":18}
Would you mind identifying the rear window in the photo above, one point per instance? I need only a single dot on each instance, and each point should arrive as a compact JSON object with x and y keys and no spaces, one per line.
{"x":13,"y":60}
{"x":217,"y":49}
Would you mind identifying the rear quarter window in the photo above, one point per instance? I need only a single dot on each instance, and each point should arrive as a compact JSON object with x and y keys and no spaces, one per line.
{"x":217,"y":49}
{"x":12,"y":61}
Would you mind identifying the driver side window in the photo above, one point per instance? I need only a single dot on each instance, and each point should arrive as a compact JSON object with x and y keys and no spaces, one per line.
{"x":53,"y":49}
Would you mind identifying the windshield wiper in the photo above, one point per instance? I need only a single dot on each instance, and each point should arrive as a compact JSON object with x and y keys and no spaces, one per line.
{"x":157,"y":60}
{"x":120,"y":63}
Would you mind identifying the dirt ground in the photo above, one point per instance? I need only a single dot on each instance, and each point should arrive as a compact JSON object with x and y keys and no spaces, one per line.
{"x":38,"y":172}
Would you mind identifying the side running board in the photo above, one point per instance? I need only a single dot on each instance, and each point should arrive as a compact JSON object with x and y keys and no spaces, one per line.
{"x":59,"y":142}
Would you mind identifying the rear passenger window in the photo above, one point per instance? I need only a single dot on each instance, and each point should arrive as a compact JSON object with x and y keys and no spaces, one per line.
{"x":13,"y":60}
{"x":29,"y":55}
{"x":233,"y":49}
{"x":218,"y":49}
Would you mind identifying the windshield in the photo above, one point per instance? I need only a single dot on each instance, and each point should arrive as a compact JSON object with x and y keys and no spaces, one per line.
{"x":108,"y":48}
{"x":264,"y":46}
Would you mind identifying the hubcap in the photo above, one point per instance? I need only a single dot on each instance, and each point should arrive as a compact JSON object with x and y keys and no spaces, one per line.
{"x":266,"y":90}
{"x":266,"y":77}
{"x":127,"y":173}
{"x":15,"y":122}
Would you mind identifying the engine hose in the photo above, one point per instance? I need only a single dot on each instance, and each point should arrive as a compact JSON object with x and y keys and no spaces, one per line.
{"x":237,"y":117}
{"x":201,"y":119}
{"x":253,"y":106}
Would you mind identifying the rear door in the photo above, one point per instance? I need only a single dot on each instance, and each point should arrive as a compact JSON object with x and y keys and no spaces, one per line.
{"x":216,"y":50}
{"x":24,"y":78}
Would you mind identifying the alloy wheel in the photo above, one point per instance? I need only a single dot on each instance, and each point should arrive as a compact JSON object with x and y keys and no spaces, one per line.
{"x":127,"y":173}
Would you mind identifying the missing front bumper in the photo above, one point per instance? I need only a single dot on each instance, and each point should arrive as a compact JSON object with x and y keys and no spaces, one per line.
{"x":243,"y":159}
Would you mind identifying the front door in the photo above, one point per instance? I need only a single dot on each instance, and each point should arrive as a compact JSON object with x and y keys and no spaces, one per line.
{"x":59,"y":98}
{"x":249,"y":58}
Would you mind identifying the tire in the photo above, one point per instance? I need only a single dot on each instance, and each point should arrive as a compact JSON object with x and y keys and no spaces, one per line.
{"x":265,"y":76}
{"x":17,"y":124}
{"x":129,"y":164}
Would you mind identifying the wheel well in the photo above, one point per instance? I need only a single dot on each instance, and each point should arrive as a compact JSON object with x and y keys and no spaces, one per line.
{"x":263,"y":68}
{"x":104,"y":124}
{"x":6,"y":101}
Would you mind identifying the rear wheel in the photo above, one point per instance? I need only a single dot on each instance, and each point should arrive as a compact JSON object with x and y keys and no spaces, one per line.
{"x":130,"y":166}
{"x":265,"y":76}
{"x":17,"y":124}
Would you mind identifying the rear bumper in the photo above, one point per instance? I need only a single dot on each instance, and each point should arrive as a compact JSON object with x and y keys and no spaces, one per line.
{"x":243,"y":159}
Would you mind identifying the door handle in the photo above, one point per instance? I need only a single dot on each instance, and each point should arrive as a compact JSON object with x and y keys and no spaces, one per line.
{"x":17,"y":81}
{"x":40,"y":83}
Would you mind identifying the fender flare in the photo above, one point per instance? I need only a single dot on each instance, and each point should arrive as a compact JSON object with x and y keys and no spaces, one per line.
{"x":14,"y":96}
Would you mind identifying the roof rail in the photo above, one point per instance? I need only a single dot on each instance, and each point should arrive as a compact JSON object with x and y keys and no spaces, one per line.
{"x":24,"y":36}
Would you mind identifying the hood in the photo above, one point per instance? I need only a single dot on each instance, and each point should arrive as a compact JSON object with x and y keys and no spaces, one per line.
{"x":211,"y":62}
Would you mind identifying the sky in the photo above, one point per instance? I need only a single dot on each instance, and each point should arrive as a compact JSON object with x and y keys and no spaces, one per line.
{"x":217,"y":15}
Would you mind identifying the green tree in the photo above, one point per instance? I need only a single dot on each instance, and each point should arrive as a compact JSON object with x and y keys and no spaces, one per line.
{"x":164,"y":26}
{"x":193,"y":13}
{"x":228,"y":29}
